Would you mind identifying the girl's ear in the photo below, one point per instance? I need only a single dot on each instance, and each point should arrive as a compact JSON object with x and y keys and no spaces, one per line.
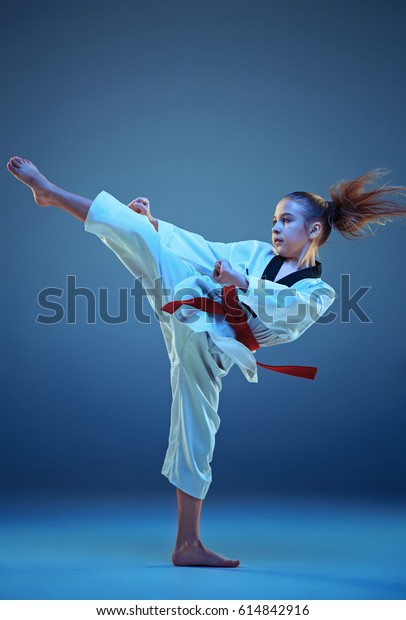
{"x":315,"y":230}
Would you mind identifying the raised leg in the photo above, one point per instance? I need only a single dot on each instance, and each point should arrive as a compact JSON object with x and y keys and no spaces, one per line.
{"x":47,"y":194}
{"x":130,"y":235}
{"x":138,"y":246}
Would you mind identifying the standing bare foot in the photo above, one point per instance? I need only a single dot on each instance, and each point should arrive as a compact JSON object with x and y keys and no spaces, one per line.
{"x":25,"y":171}
{"x":195,"y":554}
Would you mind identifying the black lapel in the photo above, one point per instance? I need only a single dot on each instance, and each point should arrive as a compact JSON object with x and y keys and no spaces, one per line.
{"x":272,"y":270}
{"x":276,"y":262}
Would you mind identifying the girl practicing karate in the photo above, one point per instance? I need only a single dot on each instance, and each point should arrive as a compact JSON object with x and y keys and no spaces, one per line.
{"x":217,"y":303}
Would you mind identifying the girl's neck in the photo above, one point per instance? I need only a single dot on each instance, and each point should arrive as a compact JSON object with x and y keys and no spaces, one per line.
{"x":294,"y":263}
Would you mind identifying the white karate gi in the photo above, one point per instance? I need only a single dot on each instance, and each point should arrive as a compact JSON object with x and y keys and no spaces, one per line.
{"x":176,"y":264}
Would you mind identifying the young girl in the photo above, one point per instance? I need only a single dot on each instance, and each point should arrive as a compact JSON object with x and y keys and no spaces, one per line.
{"x":217,"y":303}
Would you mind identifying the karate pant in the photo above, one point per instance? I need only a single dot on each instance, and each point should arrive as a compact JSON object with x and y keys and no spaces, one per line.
{"x":197,"y":365}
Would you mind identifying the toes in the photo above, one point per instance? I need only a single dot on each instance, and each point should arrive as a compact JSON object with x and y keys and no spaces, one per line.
{"x":233,"y":563}
{"x":15,"y":161}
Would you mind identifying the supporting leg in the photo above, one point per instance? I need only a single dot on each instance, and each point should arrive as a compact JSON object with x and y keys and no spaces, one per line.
{"x":189,"y":550}
{"x":196,"y":379}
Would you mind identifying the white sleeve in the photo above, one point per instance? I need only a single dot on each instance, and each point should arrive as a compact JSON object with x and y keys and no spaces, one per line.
{"x":287,"y":311}
{"x":194,"y":248}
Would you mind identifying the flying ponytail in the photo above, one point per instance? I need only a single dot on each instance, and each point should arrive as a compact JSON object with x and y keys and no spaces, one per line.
{"x":351,"y":208}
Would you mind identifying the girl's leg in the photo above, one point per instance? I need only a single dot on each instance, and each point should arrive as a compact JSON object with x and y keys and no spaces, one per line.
{"x":137,"y":246}
{"x":189,"y":550}
{"x":196,"y":380}
{"x":45,"y":193}
{"x":128,"y":234}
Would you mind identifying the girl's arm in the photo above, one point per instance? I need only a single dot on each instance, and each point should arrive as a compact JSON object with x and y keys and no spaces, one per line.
{"x":192,"y":246}
{"x":195,"y":249}
{"x":189,"y":246}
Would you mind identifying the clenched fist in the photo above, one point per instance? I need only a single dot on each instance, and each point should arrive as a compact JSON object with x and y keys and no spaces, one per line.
{"x":223,"y":272}
{"x":141,"y":205}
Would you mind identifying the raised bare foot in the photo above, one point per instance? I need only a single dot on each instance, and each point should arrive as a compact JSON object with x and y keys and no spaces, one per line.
{"x":25,"y":171}
{"x":195,"y":554}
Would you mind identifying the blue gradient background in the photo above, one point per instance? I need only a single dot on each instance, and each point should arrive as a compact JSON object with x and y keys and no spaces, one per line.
{"x":213,"y":111}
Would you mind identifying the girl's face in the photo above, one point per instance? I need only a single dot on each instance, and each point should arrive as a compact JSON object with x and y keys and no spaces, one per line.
{"x":289,"y":233}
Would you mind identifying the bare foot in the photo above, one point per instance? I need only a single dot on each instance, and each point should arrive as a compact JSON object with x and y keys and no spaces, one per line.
{"x":25,"y":171}
{"x":195,"y":554}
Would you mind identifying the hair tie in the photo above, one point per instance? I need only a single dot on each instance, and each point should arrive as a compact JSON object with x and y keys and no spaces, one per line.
{"x":331,"y":212}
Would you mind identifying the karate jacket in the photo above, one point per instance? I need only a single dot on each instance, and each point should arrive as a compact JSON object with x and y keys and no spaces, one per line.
{"x":287,"y":311}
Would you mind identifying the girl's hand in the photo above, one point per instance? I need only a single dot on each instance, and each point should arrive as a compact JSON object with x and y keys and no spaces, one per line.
{"x":223,"y":272}
{"x":141,"y":205}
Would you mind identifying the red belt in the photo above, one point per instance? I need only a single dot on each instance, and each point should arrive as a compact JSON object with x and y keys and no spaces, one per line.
{"x":236,"y":317}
